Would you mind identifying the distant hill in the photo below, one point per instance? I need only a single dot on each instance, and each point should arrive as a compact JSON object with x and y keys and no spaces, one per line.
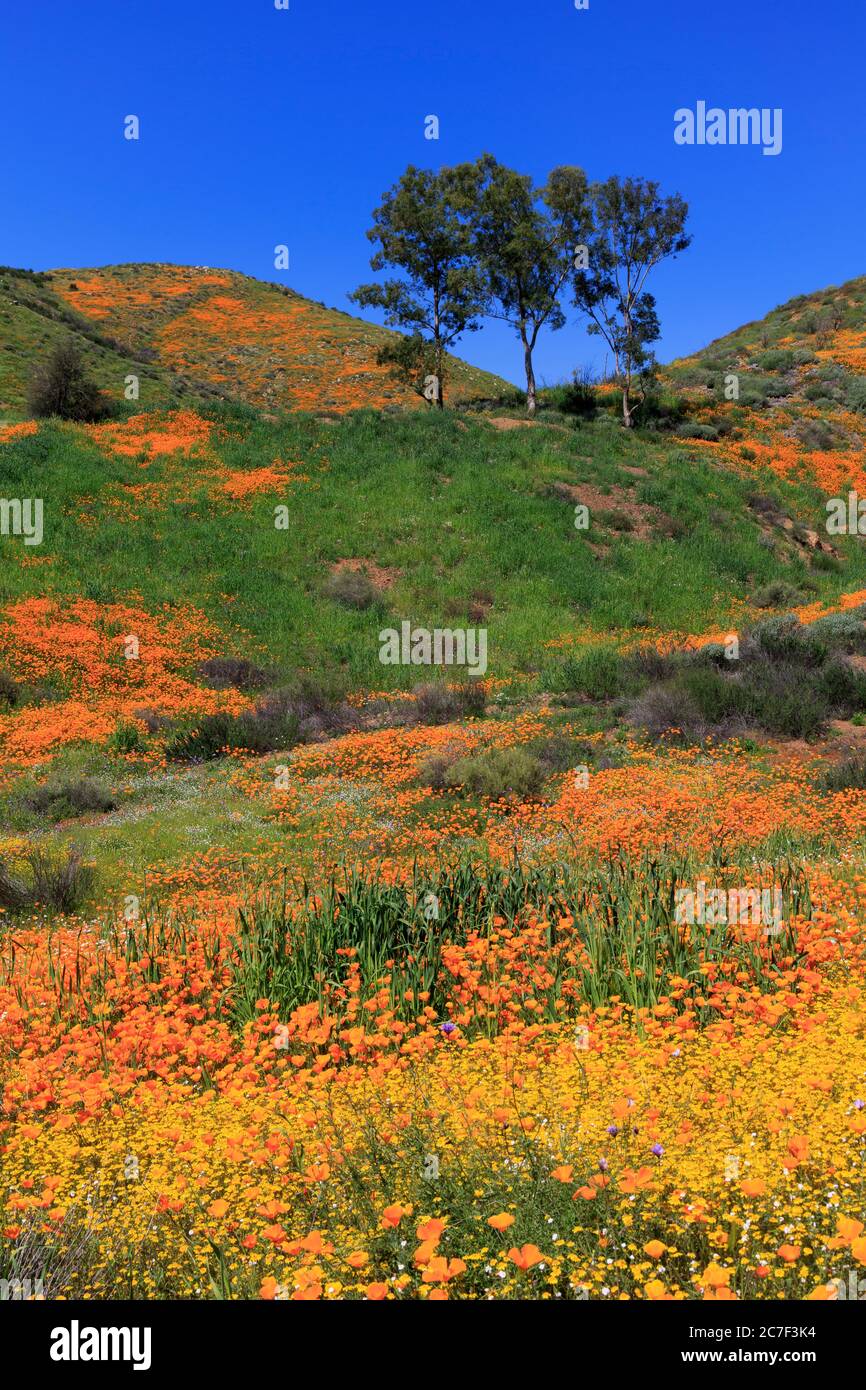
{"x":191,"y":333}
{"x":809,"y":353}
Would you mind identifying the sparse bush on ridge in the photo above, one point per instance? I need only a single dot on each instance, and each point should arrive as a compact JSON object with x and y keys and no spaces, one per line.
{"x":61,"y":387}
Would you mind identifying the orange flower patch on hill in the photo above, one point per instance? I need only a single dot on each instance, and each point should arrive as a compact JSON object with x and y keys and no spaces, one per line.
{"x":17,"y":431}
{"x":251,"y":482}
{"x":109,"y":294}
{"x":109,"y":660}
{"x":179,"y":431}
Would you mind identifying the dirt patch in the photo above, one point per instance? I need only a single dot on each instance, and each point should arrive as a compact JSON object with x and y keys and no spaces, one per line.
{"x":477,"y":606}
{"x":615,"y":510}
{"x":380,"y":575}
{"x":633,"y":469}
{"x":507,"y":422}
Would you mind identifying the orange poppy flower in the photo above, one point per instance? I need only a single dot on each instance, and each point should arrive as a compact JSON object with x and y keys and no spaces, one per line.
{"x":526,"y":1256}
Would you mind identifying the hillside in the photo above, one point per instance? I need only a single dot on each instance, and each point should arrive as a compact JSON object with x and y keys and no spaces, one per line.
{"x":320,"y":951}
{"x":800,"y":381}
{"x":191,"y":334}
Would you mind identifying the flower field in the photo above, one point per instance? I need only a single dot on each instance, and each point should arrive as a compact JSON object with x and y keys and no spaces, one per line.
{"x":323,"y":979}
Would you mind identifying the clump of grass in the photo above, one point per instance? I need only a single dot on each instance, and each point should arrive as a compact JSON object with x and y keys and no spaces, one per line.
{"x":847,"y":776}
{"x":352,"y":589}
{"x":597,"y":673}
{"x":57,"y":884}
{"x":233,"y":672}
{"x":438,"y":703}
{"x":127,"y":737}
{"x":498,"y":774}
{"x":614,"y":519}
{"x":68,"y":797}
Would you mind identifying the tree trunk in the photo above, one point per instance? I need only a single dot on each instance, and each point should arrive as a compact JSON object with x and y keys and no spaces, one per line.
{"x":440,"y":394}
{"x":530,"y":379}
{"x":627,"y":411}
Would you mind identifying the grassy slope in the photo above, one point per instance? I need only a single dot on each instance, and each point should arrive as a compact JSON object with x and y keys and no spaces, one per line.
{"x":459,"y":513}
{"x":33,"y":319}
{"x":192,"y":332}
{"x":472,"y":523}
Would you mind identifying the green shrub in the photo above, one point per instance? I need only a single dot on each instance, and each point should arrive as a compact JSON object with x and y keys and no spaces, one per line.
{"x":699,"y":429}
{"x":233,"y":672}
{"x":263,"y":730}
{"x":596,"y":672}
{"x":67,"y":797}
{"x":847,"y":776}
{"x":439,"y":703}
{"x":352,"y":588}
{"x":127,"y":737}
{"x":498,"y":773}
{"x":61,"y":387}
{"x":668,"y":708}
{"x":60,"y":885}
{"x":855,"y":394}
{"x":777,"y":360}
{"x":9,"y":692}
{"x":558,"y":752}
{"x":434,"y":771}
{"x":777,"y":594}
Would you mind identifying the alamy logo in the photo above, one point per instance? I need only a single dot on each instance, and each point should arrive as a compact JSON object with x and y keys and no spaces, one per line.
{"x":719,"y":906}
{"x":846,"y":519}
{"x":736,"y":126}
{"x":77,"y":1343}
{"x":19,"y":1290}
{"x":22,"y":516}
{"x":443,"y":646}
{"x":855,"y":1289}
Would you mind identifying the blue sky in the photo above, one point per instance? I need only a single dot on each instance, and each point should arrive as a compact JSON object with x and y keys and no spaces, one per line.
{"x":261,"y":127}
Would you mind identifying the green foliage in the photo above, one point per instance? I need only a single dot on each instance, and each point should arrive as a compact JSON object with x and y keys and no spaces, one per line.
{"x":849,"y":775}
{"x":498,"y":774}
{"x":420,"y":234}
{"x":632,"y":229}
{"x":291,"y":942}
{"x":522,"y":246}
{"x":54,"y":884}
{"x":61,"y":387}
{"x":65,"y":797}
{"x":596,"y":672}
{"x":264,"y":730}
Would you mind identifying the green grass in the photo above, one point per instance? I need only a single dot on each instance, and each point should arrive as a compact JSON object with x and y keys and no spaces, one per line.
{"x":452,"y":505}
